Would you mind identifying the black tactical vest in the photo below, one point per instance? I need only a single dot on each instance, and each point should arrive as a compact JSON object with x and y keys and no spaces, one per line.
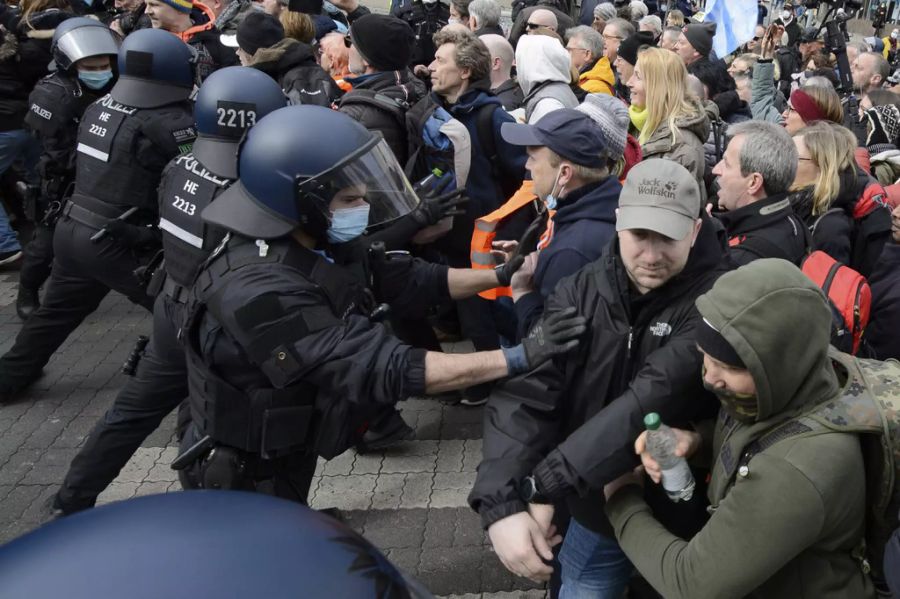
{"x":286,"y":415}
{"x":55,"y":107}
{"x":110,"y":168}
{"x":185,"y":190}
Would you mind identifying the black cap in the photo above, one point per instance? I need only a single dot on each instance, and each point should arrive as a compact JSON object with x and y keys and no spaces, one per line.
{"x":257,"y":30}
{"x":700,"y":36}
{"x":713,"y":343}
{"x":628,"y":49}
{"x":384,"y":42}
{"x":310,"y":7}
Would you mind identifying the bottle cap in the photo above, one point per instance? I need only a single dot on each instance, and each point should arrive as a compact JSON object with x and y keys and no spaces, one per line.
{"x":652,"y":421}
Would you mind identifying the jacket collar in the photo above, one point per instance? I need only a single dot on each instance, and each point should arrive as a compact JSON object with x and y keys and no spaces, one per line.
{"x":757,"y":215}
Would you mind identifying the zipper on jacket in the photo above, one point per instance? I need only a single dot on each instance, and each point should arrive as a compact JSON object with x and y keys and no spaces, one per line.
{"x":630,"y":339}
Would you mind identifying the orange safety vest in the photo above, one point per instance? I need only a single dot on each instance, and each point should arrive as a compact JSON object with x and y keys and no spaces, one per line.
{"x":485,"y":231}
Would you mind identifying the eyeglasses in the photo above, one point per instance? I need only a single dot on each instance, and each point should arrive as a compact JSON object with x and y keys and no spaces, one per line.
{"x":802,"y":158}
{"x":613,"y":37}
{"x":756,"y":38}
{"x":532,"y":26}
{"x":348,"y":41}
{"x":573,"y":49}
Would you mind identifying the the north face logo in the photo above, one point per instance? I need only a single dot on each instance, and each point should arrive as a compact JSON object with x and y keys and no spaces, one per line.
{"x":661,"y":329}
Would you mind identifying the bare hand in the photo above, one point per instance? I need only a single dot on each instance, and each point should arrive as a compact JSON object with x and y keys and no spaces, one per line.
{"x":501,"y":250}
{"x":422,"y":72}
{"x":632,"y":477}
{"x":523,"y":280}
{"x":520,"y":544}
{"x":543,"y":515}
{"x":687,"y":444}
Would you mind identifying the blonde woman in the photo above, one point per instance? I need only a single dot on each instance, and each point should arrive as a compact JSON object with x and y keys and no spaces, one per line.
{"x":827,"y":189}
{"x":670,"y":120}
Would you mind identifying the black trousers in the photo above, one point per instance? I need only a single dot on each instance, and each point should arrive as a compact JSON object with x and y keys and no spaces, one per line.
{"x":37,"y":258}
{"x":157,"y":387}
{"x":83,"y":273}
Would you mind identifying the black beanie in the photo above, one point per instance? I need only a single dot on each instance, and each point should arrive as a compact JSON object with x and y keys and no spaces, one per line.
{"x":700,"y":35}
{"x":628,"y":49}
{"x":713,"y":343}
{"x":384,"y":42}
{"x":258,"y":30}
{"x":309,"y":7}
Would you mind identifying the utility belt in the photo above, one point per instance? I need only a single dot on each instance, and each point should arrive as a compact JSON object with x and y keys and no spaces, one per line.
{"x":96,"y":214}
{"x":177,"y":293}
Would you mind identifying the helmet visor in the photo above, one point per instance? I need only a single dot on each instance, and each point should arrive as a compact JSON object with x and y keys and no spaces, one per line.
{"x":86,"y":42}
{"x":372,"y":176}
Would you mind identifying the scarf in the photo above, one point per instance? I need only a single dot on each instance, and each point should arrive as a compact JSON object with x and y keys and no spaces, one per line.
{"x":638,"y":118}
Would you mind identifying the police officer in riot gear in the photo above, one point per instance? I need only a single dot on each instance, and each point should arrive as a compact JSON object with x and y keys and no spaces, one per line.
{"x":107,"y":230}
{"x":285,"y":362}
{"x":229,"y":102}
{"x":82,"y":50}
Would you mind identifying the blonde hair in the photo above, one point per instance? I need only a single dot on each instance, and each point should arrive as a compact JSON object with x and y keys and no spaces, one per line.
{"x":297,"y":25}
{"x":828,"y":102}
{"x":665,"y":90}
{"x":831,"y":148}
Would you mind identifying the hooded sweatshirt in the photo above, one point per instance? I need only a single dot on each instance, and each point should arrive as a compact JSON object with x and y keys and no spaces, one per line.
{"x":543,"y":70}
{"x":686,"y":145}
{"x":784,"y":528}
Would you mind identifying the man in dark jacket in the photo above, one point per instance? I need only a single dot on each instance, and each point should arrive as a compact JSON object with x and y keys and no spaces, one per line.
{"x":569,"y":157}
{"x":261,"y":44}
{"x":881,"y":334}
{"x":754,"y":175}
{"x":194,"y":24}
{"x":503,"y":85}
{"x":788,"y":20}
{"x":569,"y":426}
{"x":460,"y":88}
{"x":383,"y":87}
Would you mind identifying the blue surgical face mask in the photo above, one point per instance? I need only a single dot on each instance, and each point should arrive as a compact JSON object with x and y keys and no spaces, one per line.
{"x":551,"y":200}
{"x":348,"y":223}
{"x":96,"y":79}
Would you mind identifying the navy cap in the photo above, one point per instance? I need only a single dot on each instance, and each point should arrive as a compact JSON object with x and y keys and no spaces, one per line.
{"x":568,"y":132}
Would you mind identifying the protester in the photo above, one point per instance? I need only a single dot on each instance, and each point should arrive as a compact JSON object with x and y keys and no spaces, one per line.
{"x":675,"y":19}
{"x":627,"y":58}
{"x":881,"y":115}
{"x":753,"y":177}
{"x":695,"y":42}
{"x":602,"y":14}
{"x":484,"y":17}
{"x":669,"y":38}
{"x":652,"y":24}
{"x":614,"y":33}
{"x":671,"y":122}
{"x":194,"y":24}
{"x":503,"y":85}
{"x":335,"y":58}
{"x":543,"y":70}
{"x":881,"y":339}
{"x":585,"y":48}
{"x":798,"y":506}
{"x":826,"y":190}
{"x":810,"y":104}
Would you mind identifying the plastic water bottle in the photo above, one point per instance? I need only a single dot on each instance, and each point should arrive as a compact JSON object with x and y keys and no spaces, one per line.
{"x":677,"y":479}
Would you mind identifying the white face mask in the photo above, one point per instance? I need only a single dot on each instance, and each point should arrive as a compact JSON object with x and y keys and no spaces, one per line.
{"x":895,"y":34}
{"x":786,"y":15}
{"x":453,"y":21}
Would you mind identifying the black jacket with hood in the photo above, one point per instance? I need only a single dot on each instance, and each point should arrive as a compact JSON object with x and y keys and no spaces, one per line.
{"x":379,"y":102}
{"x":767,"y":228}
{"x":293,"y":65}
{"x":24,"y":58}
{"x":572,"y":422}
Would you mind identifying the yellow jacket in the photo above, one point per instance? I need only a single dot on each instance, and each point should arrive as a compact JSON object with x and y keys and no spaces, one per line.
{"x":599,"y":79}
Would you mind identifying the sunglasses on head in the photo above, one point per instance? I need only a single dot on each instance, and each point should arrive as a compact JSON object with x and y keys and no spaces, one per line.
{"x":531,"y":26}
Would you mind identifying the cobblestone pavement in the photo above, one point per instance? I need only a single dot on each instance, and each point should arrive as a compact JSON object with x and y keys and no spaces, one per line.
{"x":409,"y":501}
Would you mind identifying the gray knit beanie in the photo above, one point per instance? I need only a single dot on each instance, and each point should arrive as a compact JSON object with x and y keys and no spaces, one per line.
{"x":611,"y":116}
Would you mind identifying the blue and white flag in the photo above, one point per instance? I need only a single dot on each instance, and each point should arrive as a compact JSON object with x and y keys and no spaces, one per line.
{"x":735,"y":23}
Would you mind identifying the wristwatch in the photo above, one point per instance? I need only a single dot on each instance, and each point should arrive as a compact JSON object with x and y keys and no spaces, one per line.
{"x":529,"y":493}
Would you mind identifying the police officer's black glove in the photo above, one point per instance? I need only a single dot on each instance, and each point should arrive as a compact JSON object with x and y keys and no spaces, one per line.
{"x":132,"y":236}
{"x":434,"y":208}
{"x":554,"y":335}
{"x":506,"y":270}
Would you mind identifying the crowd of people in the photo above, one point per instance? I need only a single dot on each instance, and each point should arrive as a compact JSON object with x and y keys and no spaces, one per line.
{"x":309,"y":198}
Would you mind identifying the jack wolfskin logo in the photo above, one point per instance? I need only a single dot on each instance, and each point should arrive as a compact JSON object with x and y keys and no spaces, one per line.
{"x":661,"y":329}
{"x":655,"y":187}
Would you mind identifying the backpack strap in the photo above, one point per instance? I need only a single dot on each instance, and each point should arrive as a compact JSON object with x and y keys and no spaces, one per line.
{"x":368,"y":97}
{"x":484,"y":125}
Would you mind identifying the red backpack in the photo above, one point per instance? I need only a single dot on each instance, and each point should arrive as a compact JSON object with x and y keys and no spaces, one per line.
{"x":848,"y":294}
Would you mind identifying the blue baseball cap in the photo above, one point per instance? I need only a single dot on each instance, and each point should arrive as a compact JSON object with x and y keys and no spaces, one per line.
{"x":568,"y":132}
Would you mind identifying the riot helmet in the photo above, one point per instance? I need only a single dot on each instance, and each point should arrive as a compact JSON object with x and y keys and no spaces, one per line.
{"x":316,"y":169}
{"x":81,"y":37}
{"x":229,"y":544}
{"x":229,"y":102}
{"x":155,"y":68}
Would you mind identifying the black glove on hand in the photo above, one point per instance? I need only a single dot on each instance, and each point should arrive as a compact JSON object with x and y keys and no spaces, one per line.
{"x":132,"y":236}
{"x":506,"y":270}
{"x":553,"y":336}
{"x":434,"y":208}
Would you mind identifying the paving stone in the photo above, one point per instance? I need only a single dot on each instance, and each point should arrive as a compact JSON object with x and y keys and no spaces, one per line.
{"x":117,"y":491}
{"x":45,"y":434}
{"x":390,"y":529}
{"x":454,"y":480}
{"x":472,"y":455}
{"x":450,"y":456}
{"x":406,"y":558}
{"x":417,"y":490}
{"x":449,"y":498}
{"x":428,"y":425}
{"x":344,"y":492}
{"x":161,"y":470}
{"x":367,"y":463}
{"x":19,"y":464}
{"x":164,"y":433}
{"x":439,"y":528}
{"x":440,"y":568}
{"x":152,"y":488}
{"x":342,"y":465}
{"x":50,"y":468}
{"x":138,"y":467}
{"x":388,"y":490}
{"x":75,"y":432}
{"x":413,"y":463}
{"x":17,"y":501}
